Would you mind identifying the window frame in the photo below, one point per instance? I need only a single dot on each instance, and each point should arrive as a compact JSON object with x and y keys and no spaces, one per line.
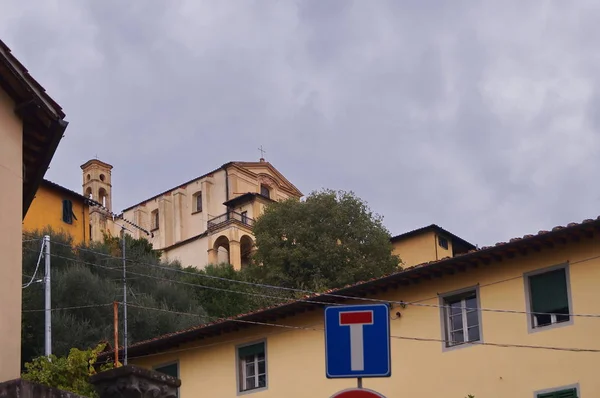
{"x":536,"y":394}
{"x":529,"y":301}
{"x":195,"y":202}
{"x":268,"y":190}
{"x":238,"y":368}
{"x":444,"y":322}
{"x":67,"y":211}
{"x":441,"y":239}
{"x":154,"y":220}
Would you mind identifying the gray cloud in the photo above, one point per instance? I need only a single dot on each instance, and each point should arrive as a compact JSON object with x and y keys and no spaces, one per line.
{"x":481,"y":118}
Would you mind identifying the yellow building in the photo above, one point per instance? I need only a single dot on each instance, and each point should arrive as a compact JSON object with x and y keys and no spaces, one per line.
{"x":500,"y":321}
{"x":31,"y":126}
{"x":203,"y":221}
{"x":60,"y":208}
{"x":430,"y":243}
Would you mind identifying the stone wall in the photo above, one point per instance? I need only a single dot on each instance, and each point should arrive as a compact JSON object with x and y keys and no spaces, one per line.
{"x":19,"y":388}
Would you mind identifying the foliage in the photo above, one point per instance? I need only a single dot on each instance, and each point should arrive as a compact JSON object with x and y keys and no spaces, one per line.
{"x":91,"y":277}
{"x":69,"y":373}
{"x":329,"y":240}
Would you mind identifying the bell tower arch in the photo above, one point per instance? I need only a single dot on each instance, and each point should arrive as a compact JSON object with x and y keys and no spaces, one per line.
{"x":98,"y":187}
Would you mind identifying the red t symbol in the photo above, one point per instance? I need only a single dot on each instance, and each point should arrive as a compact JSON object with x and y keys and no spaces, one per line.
{"x":356,"y":320}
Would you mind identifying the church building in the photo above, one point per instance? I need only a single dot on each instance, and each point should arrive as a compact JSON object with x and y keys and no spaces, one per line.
{"x":207,"y":220}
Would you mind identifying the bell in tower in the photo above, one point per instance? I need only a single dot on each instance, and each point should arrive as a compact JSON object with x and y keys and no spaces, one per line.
{"x":97,"y":186}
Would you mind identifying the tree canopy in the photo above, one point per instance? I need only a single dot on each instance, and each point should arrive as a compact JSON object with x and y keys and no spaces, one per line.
{"x":329,"y":240}
{"x":90,"y":277}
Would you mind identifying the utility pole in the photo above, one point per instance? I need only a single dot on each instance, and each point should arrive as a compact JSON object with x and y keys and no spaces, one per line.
{"x":47,"y":305}
{"x":116,"y":331}
{"x":124,"y":301}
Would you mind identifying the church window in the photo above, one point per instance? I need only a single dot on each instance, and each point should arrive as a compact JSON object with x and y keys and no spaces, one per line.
{"x":264,"y":191}
{"x":197,"y":202}
{"x":155,"y":220}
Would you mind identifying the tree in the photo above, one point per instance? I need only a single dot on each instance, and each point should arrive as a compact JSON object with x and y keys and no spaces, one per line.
{"x":89,"y":278}
{"x":70,"y":373}
{"x":329,"y":240}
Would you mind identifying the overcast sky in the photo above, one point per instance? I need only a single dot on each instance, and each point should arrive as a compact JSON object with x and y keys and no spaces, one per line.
{"x":481,"y":118}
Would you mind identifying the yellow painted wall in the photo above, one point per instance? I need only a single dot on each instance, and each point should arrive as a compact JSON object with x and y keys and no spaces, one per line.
{"x":46,"y":210}
{"x":421,"y":248}
{"x":422,"y":369}
{"x":11,"y":212}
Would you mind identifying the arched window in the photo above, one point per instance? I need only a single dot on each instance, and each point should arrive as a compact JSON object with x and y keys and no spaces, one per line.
{"x":264,"y":191}
{"x":102,"y":196}
{"x":197,"y":205}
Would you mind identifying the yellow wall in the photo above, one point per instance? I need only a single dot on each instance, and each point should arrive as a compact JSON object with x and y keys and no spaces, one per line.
{"x":11,"y":211}
{"x":46,"y":210}
{"x":422,"y":369}
{"x":421,"y":248}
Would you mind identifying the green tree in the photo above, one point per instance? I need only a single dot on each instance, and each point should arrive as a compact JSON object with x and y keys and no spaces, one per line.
{"x":90,"y":277}
{"x":70,"y":373}
{"x":221,"y":297}
{"x":329,"y":240}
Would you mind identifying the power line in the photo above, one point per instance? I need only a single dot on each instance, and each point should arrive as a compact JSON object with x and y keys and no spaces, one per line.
{"x":288,"y":299}
{"x":414,"y":338}
{"x":37,"y":266}
{"x":346,"y":297}
{"x":70,"y":308}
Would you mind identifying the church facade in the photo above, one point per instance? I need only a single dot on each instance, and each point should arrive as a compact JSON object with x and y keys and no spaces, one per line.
{"x":203,"y":221}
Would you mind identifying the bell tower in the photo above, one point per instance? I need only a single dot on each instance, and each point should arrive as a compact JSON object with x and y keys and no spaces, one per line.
{"x":97,"y":186}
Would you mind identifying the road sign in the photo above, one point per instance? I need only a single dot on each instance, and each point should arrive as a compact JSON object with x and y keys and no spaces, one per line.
{"x":357,"y":393}
{"x":357,"y":341}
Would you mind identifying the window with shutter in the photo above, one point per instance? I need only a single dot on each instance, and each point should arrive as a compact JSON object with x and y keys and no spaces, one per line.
{"x":252,"y":367}
{"x":567,"y":393}
{"x":549,"y":297}
{"x":461,"y":317}
{"x":67,"y":211}
{"x":170,"y":370}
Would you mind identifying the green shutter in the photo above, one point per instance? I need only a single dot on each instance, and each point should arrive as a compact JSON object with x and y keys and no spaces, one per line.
{"x":254,"y":349}
{"x":170,"y":370}
{"x":549,"y":291}
{"x":569,"y":393}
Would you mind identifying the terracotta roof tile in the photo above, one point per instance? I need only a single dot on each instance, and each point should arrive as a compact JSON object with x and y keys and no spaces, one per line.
{"x":346,"y":290}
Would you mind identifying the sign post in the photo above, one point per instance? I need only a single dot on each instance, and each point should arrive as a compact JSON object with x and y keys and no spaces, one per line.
{"x":357,"y":345}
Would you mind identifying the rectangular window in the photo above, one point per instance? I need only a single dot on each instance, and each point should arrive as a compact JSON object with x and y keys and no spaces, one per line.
{"x":67,"y":211}
{"x":155,"y":220}
{"x":170,"y":370}
{"x":549,"y":300}
{"x":567,"y":393}
{"x":443,"y":242}
{"x":245,"y":217}
{"x":198,"y":202}
{"x":461,"y":317}
{"x":252,"y":367}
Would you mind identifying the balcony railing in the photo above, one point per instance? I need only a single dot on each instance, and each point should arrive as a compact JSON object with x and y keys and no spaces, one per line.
{"x":230,"y":216}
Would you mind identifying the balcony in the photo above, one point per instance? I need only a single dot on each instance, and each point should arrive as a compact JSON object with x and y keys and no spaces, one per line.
{"x":228,"y":218}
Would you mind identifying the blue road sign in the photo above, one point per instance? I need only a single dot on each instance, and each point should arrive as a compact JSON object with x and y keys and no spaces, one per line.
{"x":357,"y":341}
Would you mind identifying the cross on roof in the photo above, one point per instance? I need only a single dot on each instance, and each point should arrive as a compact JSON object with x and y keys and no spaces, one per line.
{"x":262,"y":152}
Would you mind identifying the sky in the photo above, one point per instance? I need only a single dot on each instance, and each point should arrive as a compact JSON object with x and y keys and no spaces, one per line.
{"x":481,"y":117}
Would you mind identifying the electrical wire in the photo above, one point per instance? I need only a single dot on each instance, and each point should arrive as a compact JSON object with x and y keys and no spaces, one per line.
{"x":37,"y":266}
{"x":413,"y":338}
{"x":288,"y":300}
{"x":345,"y":297}
{"x":71,"y":308}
